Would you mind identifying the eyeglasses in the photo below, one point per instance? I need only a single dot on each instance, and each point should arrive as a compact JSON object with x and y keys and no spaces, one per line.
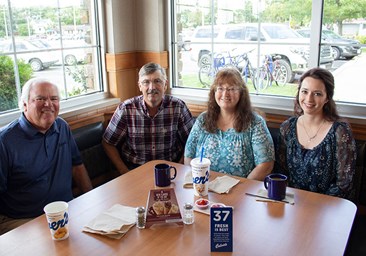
{"x":42,"y":100}
{"x":220,"y":89}
{"x":157,"y":82}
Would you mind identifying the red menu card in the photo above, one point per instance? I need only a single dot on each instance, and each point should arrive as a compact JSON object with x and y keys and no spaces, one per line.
{"x":162,"y":207}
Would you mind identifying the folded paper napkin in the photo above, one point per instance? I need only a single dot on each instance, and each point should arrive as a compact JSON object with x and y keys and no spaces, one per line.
{"x":114,"y":223}
{"x":220,"y":185}
{"x":290,"y":197}
{"x":188,"y":183}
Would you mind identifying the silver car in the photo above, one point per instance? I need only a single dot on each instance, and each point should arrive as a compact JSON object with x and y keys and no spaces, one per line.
{"x":30,"y":53}
{"x":275,"y":40}
{"x":341,"y":47}
{"x":72,"y":56}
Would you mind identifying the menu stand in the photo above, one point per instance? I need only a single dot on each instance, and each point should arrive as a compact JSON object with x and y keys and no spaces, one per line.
{"x":162,"y":207}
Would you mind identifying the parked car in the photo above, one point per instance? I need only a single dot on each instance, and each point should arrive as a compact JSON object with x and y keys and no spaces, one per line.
{"x":71,"y":56}
{"x":341,"y":47}
{"x":276,"y":40}
{"x":30,"y":53}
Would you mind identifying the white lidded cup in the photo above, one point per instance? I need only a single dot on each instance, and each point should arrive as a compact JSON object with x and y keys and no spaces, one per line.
{"x":200,"y":175}
{"x":58,"y":219}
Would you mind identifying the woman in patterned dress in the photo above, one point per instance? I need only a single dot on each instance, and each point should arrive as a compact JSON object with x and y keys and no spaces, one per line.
{"x":316,"y":148}
{"x":234,"y":137}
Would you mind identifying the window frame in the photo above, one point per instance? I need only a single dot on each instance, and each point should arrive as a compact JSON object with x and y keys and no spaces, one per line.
{"x":272,"y":104}
{"x":70,"y":105}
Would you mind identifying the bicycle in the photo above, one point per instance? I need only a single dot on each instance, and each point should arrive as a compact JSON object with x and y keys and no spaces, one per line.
{"x":207,"y":72}
{"x":273,"y":69}
{"x":241,"y":62}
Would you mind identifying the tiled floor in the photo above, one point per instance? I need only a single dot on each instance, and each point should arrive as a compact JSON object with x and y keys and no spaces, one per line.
{"x":357,"y":241}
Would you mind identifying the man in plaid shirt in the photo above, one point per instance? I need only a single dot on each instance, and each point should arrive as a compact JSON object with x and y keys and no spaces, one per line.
{"x":150,"y":126}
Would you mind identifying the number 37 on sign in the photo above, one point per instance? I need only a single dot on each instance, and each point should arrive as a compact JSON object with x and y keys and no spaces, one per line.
{"x":221,"y":223}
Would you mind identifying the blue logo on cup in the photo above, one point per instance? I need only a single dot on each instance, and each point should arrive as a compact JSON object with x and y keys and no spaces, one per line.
{"x":60,"y":223}
{"x":202,"y":179}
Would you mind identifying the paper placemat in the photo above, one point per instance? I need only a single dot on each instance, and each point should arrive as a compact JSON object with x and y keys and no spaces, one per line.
{"x":290,"y":197}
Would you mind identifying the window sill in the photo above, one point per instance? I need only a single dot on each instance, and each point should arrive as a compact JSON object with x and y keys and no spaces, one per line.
{"x":72,"y":107}
{"x":276,"y":105}
{"x":88,"y":107}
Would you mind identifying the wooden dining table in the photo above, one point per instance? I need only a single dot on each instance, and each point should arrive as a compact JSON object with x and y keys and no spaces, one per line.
{"x":315,"y":225}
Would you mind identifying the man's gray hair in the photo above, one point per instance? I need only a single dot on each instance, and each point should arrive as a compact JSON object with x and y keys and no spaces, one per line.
{"x":150,"y":68}
{"x":24,"y":98}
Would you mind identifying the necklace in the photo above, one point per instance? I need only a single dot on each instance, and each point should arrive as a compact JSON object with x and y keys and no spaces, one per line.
{"x":316,"y":134}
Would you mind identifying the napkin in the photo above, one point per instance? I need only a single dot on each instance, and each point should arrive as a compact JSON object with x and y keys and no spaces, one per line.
{"x":114,"y":223}
{"x":220,"y":185}
{"x":188,"y":180}
{"x":290,"y":197}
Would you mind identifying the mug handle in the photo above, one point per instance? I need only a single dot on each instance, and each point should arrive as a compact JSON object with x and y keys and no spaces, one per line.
{"x":266,"y":179}
{"x":175,"y":172}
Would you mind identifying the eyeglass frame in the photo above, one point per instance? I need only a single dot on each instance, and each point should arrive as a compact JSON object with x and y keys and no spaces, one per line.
{"x":156,"y":82}
{"x":230,"y":90}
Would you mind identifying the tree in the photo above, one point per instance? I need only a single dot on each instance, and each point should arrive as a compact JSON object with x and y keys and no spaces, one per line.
{"x":244,"y":15}
{"x":21,"y":16}
{"x":298,"y":13}
{"x":294,"y":12}
{"x":68,"y":15}
{"x":8,"y":92}
{"x":23,"y":30}
{"x":337,"y":11}
{"x":190,"y":18}
{"x":3,"y":21}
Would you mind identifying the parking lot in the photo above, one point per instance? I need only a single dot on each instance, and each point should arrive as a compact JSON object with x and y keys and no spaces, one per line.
{"x":54,"y":73}
{"x":350,"y":86}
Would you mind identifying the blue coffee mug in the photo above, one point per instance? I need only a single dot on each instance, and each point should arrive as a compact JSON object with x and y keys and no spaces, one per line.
{"x":163,"y":175}
{"x":276,"y":184}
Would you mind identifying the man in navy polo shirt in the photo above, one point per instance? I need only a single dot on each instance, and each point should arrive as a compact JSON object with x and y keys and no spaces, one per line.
{"x":38,"y":157}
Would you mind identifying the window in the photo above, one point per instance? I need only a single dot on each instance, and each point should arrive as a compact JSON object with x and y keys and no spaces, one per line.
{"x":206,"y":33}
{"x":234,"y":34}
{"x":262,"y":28}
{"x":251,"y":33}
{"x":57,"y":40}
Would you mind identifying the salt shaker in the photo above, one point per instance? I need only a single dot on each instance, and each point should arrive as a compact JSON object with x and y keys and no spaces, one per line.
{"x":140,"y":217}
{"x":188,"y":214}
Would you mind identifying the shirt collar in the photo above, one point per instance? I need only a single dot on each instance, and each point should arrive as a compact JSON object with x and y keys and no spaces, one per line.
{"x":30,"y":130}
{"x":144,"y":107}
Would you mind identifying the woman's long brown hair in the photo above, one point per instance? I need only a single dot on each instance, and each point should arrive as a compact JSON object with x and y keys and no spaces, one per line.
{"x":244,"y":112}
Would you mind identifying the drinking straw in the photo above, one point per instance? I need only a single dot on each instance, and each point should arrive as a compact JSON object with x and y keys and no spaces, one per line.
{"x":202,"y":150}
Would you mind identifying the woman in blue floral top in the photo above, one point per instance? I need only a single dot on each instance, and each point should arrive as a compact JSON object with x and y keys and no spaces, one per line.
{"x":316,"y":148}
{"x":234,"y":137}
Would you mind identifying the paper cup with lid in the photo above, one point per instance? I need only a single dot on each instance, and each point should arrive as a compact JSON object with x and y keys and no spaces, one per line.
{"x":200,"y":175}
